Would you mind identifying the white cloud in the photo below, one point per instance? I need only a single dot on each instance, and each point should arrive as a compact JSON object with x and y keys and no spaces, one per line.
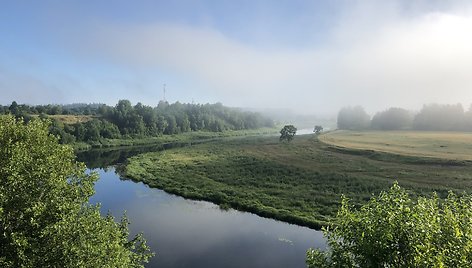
{"x":376,"y":56}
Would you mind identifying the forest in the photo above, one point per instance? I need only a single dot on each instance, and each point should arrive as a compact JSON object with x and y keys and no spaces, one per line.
{"x":92,"y":122}
{"x":437,"y":117}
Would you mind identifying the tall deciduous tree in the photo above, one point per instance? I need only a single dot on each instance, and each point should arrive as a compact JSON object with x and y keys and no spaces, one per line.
{"x":45,"y":217}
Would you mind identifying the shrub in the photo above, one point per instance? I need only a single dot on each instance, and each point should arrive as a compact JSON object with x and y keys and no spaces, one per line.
{"x":392,"y":230}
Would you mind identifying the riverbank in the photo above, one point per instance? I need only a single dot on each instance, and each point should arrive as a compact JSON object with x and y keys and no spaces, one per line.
{"x":175,"y":228}
{"x":299,"y":182}
{"x":176,"y":138}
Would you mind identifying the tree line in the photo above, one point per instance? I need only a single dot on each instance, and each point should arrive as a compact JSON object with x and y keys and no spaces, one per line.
{"x":125,"y":120}
{"x":439,"y":117}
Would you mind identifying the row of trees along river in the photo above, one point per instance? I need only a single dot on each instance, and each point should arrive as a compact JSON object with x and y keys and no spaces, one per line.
{"x":93,"y":122}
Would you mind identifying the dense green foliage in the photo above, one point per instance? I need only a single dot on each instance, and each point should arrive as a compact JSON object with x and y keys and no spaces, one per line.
{"x":300,"y":183}
{"x":99,"y":121}
{"x":392,"y":230}
{"x":45,"y":217}
{"x":287,"y":133}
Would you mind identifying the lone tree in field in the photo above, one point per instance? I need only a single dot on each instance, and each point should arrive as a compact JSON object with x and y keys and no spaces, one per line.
{"x":45,"y":217}
{"x":287,"y":133}
{"x":392,"y":230}
{"x":318,"y":129}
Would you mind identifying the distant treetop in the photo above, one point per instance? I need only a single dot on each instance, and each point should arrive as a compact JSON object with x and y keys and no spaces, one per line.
{"x":91,"y":122}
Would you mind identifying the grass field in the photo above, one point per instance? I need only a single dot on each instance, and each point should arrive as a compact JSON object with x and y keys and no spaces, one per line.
{"x":69,"y":119}
{"x":299,"y":182}
{"x":445,"y":145}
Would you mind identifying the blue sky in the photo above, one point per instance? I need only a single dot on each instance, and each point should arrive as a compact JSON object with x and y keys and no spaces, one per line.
{"x":307,"y":56}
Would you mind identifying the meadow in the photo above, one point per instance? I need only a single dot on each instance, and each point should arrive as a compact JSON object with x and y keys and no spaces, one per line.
{"x":299,"y":182}
{"x":437,"y":144}
{"x":69,"y":118}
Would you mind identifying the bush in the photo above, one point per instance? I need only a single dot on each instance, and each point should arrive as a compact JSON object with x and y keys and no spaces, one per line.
{"x":392,"y":230}
{"x":287,"y":133}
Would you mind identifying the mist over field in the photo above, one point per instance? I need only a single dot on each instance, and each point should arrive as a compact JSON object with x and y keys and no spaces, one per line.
{"x":300,"y":56}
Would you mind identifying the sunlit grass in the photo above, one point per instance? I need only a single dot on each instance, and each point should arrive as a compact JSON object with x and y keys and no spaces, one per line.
{"x":299,"y":182}
{"x":71,"y":119}
{"x":446,"y":145}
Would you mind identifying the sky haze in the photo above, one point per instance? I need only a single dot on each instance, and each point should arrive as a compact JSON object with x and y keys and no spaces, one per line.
{"x":307,"y":56}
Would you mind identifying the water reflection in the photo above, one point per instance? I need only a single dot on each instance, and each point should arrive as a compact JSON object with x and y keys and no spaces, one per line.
{"x":188,"y":233}
{"x":99,"y":158}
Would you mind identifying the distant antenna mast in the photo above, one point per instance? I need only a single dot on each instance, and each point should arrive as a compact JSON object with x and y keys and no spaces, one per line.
{"x":164,"y":92}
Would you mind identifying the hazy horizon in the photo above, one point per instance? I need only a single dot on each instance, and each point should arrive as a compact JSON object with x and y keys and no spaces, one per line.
{"x":310,"y":57}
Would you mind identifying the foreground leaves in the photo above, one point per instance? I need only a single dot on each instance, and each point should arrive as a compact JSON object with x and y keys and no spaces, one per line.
{"x":45,"y":218}
{"x":392,"y":230}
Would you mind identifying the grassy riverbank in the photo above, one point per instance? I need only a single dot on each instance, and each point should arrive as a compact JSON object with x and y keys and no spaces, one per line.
{"x":176,"y":138}
{"x":300,"y":182}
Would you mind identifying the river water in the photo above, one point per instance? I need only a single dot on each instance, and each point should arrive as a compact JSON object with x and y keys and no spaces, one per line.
{"x":188,"y":233}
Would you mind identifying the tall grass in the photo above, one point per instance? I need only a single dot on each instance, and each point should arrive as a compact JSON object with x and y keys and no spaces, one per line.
{"x":299,"y":182}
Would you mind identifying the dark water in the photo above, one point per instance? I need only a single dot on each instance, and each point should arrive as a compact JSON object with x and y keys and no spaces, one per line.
{"x":186,"y":233}
{"x":102,"y":158}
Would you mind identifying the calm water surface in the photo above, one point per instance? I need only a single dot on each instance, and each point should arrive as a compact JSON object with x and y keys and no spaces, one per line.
{"x":187,"y":233}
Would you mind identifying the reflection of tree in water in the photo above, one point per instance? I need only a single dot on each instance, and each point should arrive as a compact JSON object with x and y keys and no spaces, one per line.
{"x":102,"y":158}
{"x":99,"y":158}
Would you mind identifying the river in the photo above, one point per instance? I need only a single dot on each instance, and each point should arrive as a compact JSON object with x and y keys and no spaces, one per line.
{"x":188,"y":233}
